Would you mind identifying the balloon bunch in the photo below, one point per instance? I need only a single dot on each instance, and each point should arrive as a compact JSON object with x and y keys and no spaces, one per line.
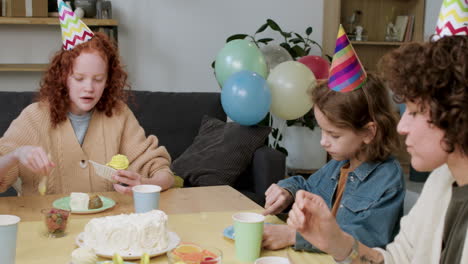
{"x":249,"y":92}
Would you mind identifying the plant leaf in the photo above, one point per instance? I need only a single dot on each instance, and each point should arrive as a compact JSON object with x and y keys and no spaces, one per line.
{"x":299,"y":36}
{"x":274,"y":132}
{"x":236,"y":36}
{"x":286,"y":34}
{"x":265,"y":40}
{"x":281,"y":149}
{"x":299,"y":51}
{"x":285,"y":45}
{"x":273,"y":25}
{"x":265,"y":121}
{"x":308,"y":31}
{"x":295,"y":40}
{"x":290,"y":122}
{"x":262,"y":28}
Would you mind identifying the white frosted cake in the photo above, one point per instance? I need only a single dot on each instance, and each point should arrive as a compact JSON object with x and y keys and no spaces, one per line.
{"x":79,"y":201}
{"x":132,"y":234}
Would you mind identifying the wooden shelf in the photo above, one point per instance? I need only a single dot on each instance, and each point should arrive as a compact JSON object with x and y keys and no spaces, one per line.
{"x":378,"y":43}
{"x":33,"y":67}
{"x":375,"y":17}
{"x":54,"y":21}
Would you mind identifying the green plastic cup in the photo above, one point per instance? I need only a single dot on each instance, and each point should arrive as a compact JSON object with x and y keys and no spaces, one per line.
{"x":248,"y":232}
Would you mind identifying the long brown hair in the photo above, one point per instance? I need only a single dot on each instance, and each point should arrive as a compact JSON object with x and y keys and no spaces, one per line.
{"x":53,"y":86}
{"x":434,"y":74}
{"x":354,"y":110}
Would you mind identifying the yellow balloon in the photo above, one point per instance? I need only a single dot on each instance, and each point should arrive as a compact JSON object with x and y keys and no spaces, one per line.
{"x":290,"y":82}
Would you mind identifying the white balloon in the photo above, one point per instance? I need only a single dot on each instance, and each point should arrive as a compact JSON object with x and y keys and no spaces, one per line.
{"x":274,"y":55}
{"x":290,"y":83}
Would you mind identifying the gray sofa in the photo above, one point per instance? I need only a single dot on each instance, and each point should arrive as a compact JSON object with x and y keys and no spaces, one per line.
{"x":175,"y":118}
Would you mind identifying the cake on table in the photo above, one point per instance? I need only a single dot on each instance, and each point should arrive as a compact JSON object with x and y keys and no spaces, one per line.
{"x":82,"y":201}
{"x":128,"y":234}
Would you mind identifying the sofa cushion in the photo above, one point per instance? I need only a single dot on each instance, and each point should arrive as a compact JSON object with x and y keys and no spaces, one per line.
{"x":174,"y":117}
{"x":11,"y":105}
{"x":220,"y":153}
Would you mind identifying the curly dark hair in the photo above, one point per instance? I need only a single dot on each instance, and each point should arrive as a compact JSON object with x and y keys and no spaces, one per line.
{"x":354,"y":110}
{"x":434,"y":75}
{"x":53,"y":86}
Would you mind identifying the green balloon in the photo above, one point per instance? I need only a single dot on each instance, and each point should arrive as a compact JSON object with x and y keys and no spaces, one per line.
{"x":238,"y":55}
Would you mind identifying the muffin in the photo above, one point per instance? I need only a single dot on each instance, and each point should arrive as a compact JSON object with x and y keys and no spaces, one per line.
{"x":94,"y":202}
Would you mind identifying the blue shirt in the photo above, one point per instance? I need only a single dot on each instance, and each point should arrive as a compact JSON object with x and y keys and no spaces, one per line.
{"x":372,"y":202}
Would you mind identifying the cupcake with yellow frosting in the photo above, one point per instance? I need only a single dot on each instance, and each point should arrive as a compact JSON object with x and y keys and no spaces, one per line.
{"x":118,"y":162}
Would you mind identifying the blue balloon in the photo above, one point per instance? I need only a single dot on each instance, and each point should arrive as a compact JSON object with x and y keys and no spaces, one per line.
{"x":246,"y":97}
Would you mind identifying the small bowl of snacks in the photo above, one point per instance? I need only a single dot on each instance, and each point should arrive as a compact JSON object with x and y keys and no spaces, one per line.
{"x":189,"y":253}
{"x":55,"y":221}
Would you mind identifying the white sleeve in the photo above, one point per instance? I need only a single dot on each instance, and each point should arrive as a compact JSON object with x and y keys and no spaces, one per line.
{"x":420,"y":236}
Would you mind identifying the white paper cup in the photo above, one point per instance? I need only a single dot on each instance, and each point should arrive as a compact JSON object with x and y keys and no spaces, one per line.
{"x":272,"y":260}
{"x":146,"y":197}
{"x":8,"y":233}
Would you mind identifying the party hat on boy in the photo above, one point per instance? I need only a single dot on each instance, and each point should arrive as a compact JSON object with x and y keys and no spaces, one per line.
{"x":74,"y":31}
{"x":453,"y":18}
{"x":346,"y":72}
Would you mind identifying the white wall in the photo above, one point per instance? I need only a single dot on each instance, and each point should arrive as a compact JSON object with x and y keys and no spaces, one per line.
{"x":167,"y":45}
{"x":432,"y":14}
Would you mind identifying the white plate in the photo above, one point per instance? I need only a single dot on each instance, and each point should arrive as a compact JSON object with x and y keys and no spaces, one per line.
{"x":174,"y":240}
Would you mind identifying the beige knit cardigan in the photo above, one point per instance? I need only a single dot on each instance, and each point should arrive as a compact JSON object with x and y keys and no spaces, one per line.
{"x":105,"y":137}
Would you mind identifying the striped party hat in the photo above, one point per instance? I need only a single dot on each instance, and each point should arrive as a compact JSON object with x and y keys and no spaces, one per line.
{"x":453,"y":18}
{"x":74,"y":31}
{"x":346,"y":72}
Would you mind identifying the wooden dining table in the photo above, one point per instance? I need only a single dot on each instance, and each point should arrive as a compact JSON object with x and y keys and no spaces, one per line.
{"x":198,"y":215}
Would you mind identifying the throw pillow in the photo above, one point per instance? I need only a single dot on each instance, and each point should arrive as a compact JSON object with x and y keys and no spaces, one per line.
{"x":220,"y":153}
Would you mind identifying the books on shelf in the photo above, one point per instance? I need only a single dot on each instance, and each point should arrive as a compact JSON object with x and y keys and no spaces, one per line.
{"x":400,"y":24}
{"x":409,"y":29}
{"x":404,"y":28}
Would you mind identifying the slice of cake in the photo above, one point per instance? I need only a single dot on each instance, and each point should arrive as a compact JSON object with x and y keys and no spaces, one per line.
{"x":79,"y":201}
{"x":82,"y":201}
{"x":127,"y":234}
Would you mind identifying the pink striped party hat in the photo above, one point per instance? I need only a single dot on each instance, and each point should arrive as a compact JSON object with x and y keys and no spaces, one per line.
{"x":346,"y":72}
{"x":453,"y":18}
{"x":74,"y":31}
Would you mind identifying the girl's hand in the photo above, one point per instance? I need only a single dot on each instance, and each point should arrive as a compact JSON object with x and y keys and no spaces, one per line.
{"x":277,"y":199}
{"x":278,"y":236}
{"x":311,"y":217}
{"x":35,"y":159}
{"x":129,"y":178}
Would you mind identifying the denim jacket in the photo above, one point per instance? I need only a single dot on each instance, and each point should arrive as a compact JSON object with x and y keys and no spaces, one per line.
{"x":372,"y":202}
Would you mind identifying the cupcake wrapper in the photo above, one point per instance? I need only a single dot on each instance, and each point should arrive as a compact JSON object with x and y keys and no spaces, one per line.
{"x":103,"y":171}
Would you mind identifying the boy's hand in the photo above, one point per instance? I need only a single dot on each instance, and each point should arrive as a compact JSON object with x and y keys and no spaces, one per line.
{"x":278,"y":236}
{"x":277,"y":199}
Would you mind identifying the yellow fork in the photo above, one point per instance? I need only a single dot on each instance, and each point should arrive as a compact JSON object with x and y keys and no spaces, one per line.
{"x":42,"y":187}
